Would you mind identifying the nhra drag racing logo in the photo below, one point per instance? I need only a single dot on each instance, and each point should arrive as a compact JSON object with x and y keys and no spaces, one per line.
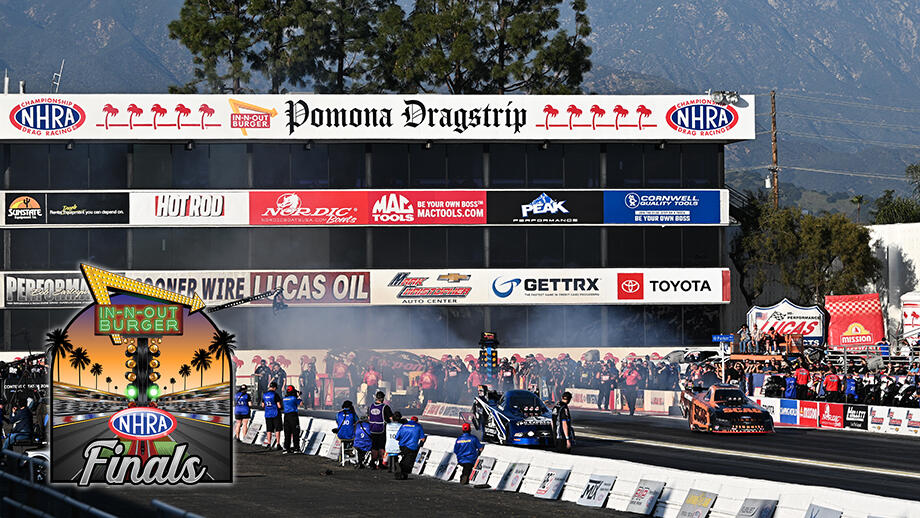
{"x":413,"y":289}
{"x":543,"y":204}
{"x":47,"y":117}
{"x":289,"y":205}
{"x":393,"y":208}
{"x":25,"y":209}
{"x":701,"y":117}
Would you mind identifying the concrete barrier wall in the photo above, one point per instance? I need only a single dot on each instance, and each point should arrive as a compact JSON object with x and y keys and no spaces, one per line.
{"x":793,"y":500}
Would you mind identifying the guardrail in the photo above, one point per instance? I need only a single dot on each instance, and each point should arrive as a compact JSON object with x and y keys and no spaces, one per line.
{"x":164,"y":510}
{"x":621,"y":485}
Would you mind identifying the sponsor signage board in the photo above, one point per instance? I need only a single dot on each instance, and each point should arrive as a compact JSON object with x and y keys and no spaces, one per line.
{"x":551,"y":486}
{"x":757,"y":508}
{"x":831,"y":415}
{"x":65,"y":208}
{"x":856,"y":417}
{"x":301,"y":288}
{"x":482,"y":470}
{"x":855,"y":321}
{"x":645,"y":497}
{"x":665,"y":207}
{"x":449,"y":207}
{"x":722,"y":338}
{"x":878,"y":415}
{"x":181,"y":208}
{"x":447,"y":466}
{"x":789,"y":411}
{"x":912,"y":422}
{"x":816,"y":511}
{"x":545,"y":207}
{"x":596,"y":490}
{"x":420,"y":460}
{"x":789,"y":318}
{"x":808,"y":414}
{"x":375,"y":117}
{"x":696,"y":504}
{"x":513,"y":477}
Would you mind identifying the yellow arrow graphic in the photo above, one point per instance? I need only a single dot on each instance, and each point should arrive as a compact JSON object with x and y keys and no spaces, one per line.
{"x":236,"y":104}
{"x":100,"y":281}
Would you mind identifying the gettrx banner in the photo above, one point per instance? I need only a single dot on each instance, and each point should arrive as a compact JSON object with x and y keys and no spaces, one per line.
{"x":399,"y":287}
{"x":374,"y":117}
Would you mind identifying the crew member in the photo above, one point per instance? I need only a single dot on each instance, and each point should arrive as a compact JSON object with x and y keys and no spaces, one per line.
{"x":562,"y":424}
{"x":362,"y":440}
{"x":264,"y":374}
{"x":241,"y":412}
{"x":392,"y":444}
{"x":428,"y":382}
{"x":20,"y":422}
{"x":467,"y":449}
{"x":832,"y":387}
{"x":506,"y":375}
{"x":290,"y":404}
{"x":631,"y":380}
{"x":271,"y":403}
{"x":604,"y":386}
{"x":308,"y":383}
{"x":371,"y":379}
{"x":378,"y":415}
{"x":411,"y":437}
{"x":801,"y":382}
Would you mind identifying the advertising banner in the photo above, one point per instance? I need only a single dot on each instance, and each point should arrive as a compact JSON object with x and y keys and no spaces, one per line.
{"x":596,"y":490}
{"x":832,"y":415}
{"x":645,"y":497}
{"x":856,"y":417}
{"x":771,"y":405}
{"x":375,"y":117}
{"x":181,"y":208}
{"x":896,"y":420}
{"x":757,"y":508}
{"x":910,"y":313}
{"x":545,"y":207}
{"x":788,"y":318}
{"x":912,"y":422}
{"x":45,"y":290}
{"x":65,"y":208}
{"x":448,"y":207}
{"x":311,"y":288}
{"x":816,"y":511}
{"x":482,"y":470}
{"x":665,"y":207}
{"x":514,"y":475}
{"x":697,"y":504}
{"x":856,"y":321}
{"x":789,"y":412}
{"x":551,"y":486}
{"x":808,"y":414}
{"x":878,"y":415}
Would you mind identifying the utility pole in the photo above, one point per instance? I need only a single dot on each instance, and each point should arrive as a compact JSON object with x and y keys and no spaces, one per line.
{"x":775,"y":167}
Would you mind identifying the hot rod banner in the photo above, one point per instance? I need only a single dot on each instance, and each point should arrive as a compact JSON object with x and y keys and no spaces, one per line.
{"x":375,"y":117}
{"x":856,"y":321}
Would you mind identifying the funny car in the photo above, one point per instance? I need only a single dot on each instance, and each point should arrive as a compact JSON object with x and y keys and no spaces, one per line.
{"x":517,"y":418}
{"x":723,"y":408}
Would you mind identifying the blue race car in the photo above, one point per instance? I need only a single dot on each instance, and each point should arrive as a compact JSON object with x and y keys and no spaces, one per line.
{"x":518,"y":418}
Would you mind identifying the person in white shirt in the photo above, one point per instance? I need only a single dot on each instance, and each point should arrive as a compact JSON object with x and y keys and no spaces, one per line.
{"x":392,"y":445}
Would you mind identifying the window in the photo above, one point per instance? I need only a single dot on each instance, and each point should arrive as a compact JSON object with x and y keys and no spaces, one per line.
{"x":228,"y":166}
{"x":28,"y":249}
{"x":190,"y":166}
{"x":347,"y":247}
{"x":465,"y":247}
{"x":108,"y":248}
{"x":310,"y":167}
{"x":624,"y":166}
{"x":69,"y":247}
{"x":28,"y":166}
{"x":662,"y":247}
{"x":626,"y":326}
{"x":464,"y":165}
{"x":271,"y":166}
{"x":108,"y":166}
{"x":544,"y":166}
{"x":662,"y":166}
{"x":211,"y":248}
{"x":293,"y":247}
{"x":346,"y":166}
{"x":506,"y":247}
{"x":582,"y":165}
{"x":428,"y":167}
{"x":152,"y":166}
{"x":428,"y":247}
{"x":663,"y":326}
{"x":583,"y":247}
{"x":510,"y":324}
{"x":507,"y":165}
{"x":701,"y":246}
{"x":544,"y":247}
{"x":700,"y":165}
{"x":69,"y":169}
{"x":151,"y":248}
{"x":390,"y":165}
{"x":391,"y":247}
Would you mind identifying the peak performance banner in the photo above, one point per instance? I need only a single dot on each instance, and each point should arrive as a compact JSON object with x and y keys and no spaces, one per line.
{"x":375,"y":117}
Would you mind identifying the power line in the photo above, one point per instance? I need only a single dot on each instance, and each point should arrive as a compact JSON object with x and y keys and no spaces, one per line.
{"x":851,"y":140}
{"x":849,"y":121}
{"x":854,"y":104}
{"x":825,"y":171}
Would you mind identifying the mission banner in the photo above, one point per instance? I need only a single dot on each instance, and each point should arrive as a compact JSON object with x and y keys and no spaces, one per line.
{"x":42,"y":117}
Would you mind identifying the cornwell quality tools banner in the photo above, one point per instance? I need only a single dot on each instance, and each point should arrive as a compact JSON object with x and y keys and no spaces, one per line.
{"x":375,"y":117}
{"x":437,"y":287}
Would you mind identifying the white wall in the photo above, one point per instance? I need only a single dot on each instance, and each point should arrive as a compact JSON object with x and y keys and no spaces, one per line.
{"x":898,"y":247}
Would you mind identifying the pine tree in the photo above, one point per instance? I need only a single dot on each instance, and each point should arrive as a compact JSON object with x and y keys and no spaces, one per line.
{"x":285,"y":33}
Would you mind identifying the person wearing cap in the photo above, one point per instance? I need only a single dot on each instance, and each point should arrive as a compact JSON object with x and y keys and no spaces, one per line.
{"x":632,"y":377}
{"x":363,"y":441}
{"x":271,"y":404}
{"x":411,"y":437}
{"x":378,"y":414}
{"x":308,"y":382}
{"x":562,"y":424}
{"x":392,"y":444}
{"x":467,"y":449}
{"x":263,"y":376}
{"x":290,"y":403}
{"x":241,"y":412}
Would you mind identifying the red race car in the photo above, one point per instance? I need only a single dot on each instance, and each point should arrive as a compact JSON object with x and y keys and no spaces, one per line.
{"x":723,"y":409}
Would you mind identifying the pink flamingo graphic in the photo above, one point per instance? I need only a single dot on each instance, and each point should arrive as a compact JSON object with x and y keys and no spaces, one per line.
{"x":206,"y":111}
{"x":621,"y":112}
{"x":158,"y":111}
{"x":643,"y":112}
{"x":596,"y":112}
{"x":573,"y":111}
{"x":134,"y":110}
{"x":550,"y":112}
{"x":183,"y":112}
{"x":109,"y":110}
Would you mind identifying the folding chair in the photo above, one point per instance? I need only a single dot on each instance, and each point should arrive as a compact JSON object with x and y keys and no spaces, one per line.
{"x":348,"y":454}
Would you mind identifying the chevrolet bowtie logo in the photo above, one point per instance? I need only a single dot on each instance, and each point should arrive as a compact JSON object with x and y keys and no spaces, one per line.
{"x":453,"y":277}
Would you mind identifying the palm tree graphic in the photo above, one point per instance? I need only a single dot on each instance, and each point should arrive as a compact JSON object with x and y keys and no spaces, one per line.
{"x":201,"y":360}
{"x":96,"y":370}
{"x":643,"y":112}
{"x":172,"y":381}
{"x":222,"y":347}
{"x":185,"y":371}
{"x":58,"y":345}
{"x":574,"y":111}
{"x":183,"y":112}
{"x":550,"y":112}
{"x":79,"y":360}
{"x":109,"y":110}
{"x":158,"y":111}
{"x":206,"y":111}
{"x":621,"y":112}
{"x":108,"y":383}
{"x":596,"y":112}
{"x":134,"y":110}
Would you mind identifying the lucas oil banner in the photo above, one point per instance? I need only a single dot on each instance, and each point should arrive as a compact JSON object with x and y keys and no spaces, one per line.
{"x":788,"y":318}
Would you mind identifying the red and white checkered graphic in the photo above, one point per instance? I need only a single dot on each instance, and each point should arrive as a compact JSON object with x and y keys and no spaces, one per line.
{"x":853,"y":304}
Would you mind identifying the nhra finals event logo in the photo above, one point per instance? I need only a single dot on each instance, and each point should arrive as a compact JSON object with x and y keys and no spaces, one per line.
{"x":141,"y":390}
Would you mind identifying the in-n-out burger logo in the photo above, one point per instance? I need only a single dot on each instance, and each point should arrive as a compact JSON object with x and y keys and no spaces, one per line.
{"x":415,"y":115}
{"x":289,"y":205}
{"x":701,"y":117}
{"x":47,"y":117}
{"x":685,"y":286}
{"x":189,"y":205}
{"x":393,"y":207}
{"x":856,"y":333}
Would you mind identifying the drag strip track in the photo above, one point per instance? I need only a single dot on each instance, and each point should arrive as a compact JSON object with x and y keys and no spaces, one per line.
{"x":862,"y":462}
